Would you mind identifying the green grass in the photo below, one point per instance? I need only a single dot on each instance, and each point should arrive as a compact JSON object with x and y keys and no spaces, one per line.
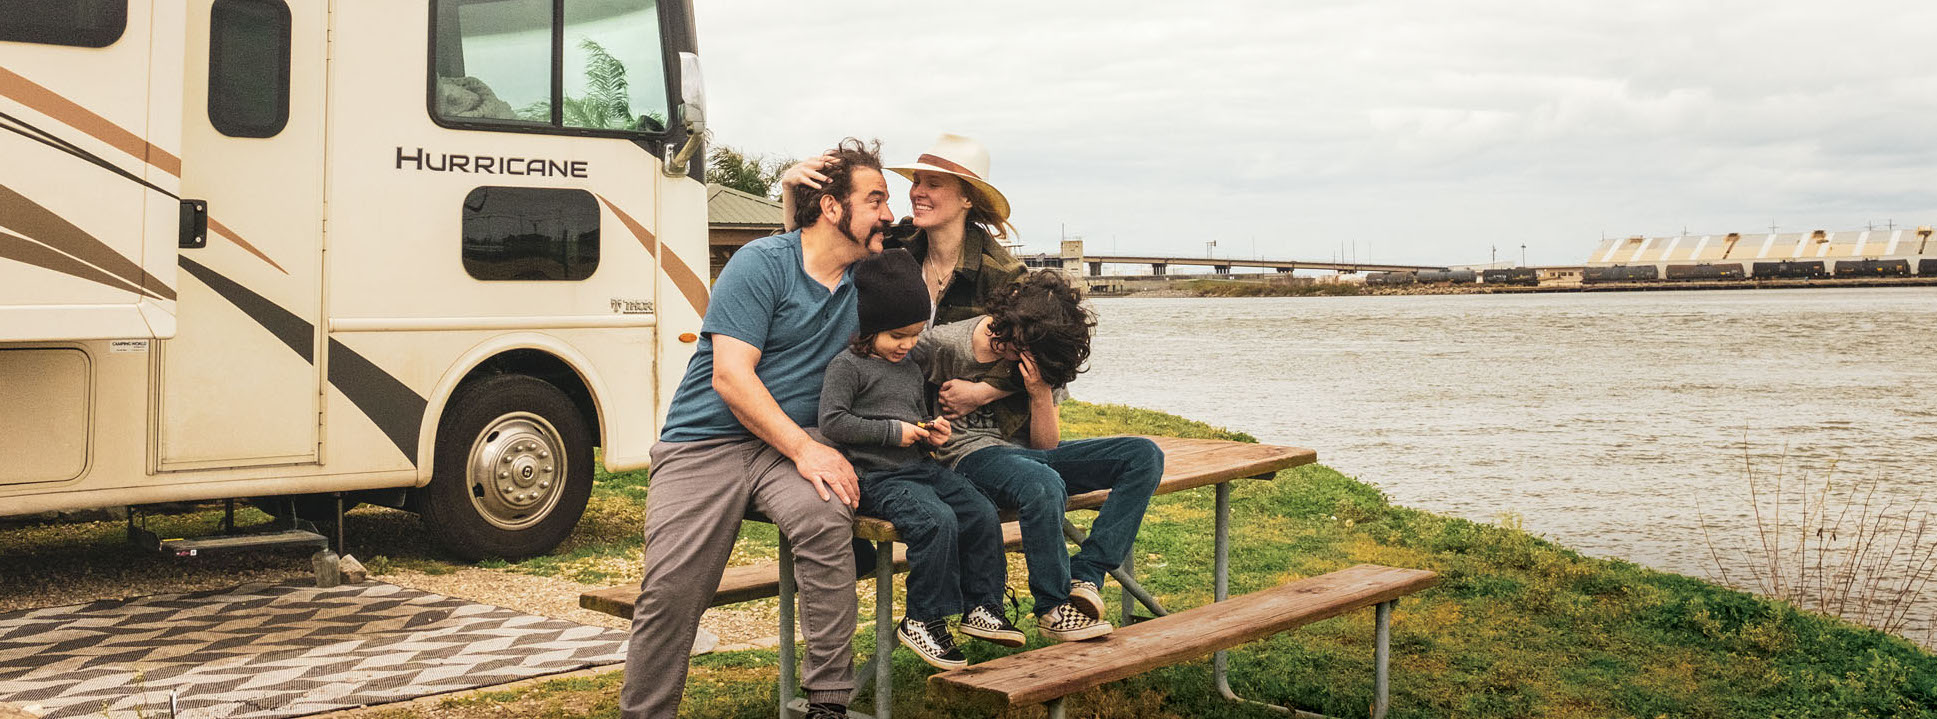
{"x":1519,"y":626}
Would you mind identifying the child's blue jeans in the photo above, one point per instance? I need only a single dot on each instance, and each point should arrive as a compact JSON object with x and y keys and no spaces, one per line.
{"x":1037,"y":483}
{"x":954,"y":538}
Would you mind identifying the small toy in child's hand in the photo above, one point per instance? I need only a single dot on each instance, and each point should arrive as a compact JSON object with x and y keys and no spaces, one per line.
{"x":925,"y":424}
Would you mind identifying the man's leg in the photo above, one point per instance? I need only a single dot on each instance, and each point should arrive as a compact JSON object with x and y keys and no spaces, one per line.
{"x":1018,"y":479}
{"x":1130,"y":467}
{"x":984,"y":570}
{"x":820,"y":532}
{"x":927,"y":525}
{"x":698,"y":495}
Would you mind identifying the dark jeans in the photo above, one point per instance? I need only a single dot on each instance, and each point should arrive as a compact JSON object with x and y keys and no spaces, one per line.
{"x":1038,"y":482}
{"x":954,"y":538}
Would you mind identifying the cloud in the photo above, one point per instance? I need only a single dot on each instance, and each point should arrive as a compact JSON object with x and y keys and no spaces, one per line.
{"x":1428,"y":130}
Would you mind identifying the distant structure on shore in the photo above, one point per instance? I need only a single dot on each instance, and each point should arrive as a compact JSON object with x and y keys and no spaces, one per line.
{"x":1895,"y":252}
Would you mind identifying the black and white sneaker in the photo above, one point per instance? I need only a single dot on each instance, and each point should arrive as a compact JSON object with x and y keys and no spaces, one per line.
{"x":1086,"y":597}
{"x":988,"y":624}
{"x":1066,"y":623}
{"x":932,"y":642}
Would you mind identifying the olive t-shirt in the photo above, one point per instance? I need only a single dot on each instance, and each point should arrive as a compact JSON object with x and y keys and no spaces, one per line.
{"x":949,"y":351}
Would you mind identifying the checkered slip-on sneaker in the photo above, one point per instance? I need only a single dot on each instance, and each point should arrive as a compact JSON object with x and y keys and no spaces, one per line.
{"x":1086,"y":598}
{"x":988,"y":624}
{"x":932,"y":642}
{"x":1067,"y":624}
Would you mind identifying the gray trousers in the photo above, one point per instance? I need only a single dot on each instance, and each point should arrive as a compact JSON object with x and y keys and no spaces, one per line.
{"x":698,"y":493}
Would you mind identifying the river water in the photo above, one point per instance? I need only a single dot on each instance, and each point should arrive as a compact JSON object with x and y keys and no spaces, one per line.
{"x":1610,"y":422}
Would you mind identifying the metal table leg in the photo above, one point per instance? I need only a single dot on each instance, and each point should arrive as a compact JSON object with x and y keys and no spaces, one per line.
{"x":789,"y":680}
{"x":1123,"y":578}
{"x":884,"y":629}
{"x":1221,"y":590}
{"x":1129,"y":570}
{"x":1381,"y":656}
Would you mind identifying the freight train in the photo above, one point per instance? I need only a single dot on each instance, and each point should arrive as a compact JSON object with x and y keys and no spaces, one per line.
{"x":1778,"y":270}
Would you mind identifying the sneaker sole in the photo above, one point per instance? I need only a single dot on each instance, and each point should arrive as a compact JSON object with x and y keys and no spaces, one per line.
{"x":1079,"y":634}
{"x":1087,"y":602}
{"x":936,"y":662}
{"x":1013,"y":638}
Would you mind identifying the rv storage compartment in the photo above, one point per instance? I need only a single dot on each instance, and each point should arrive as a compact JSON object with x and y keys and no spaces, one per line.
{"x":43,"y":414}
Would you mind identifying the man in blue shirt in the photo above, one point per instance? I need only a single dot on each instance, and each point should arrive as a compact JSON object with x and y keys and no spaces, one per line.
{"x":737,"y":438}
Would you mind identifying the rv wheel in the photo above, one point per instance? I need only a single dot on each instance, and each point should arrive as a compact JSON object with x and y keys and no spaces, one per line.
{"x":513,"y":470}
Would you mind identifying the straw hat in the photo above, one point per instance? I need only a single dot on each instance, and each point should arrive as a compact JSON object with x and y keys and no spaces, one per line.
{"x":962,"y":157}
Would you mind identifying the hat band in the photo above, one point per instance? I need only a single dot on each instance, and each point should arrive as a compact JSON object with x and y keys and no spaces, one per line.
{"x":946,"y":164}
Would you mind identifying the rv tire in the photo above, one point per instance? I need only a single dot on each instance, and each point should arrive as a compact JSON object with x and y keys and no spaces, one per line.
{"x":512,"y":471}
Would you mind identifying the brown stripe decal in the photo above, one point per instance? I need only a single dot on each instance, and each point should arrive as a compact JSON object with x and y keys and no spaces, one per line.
{"x":946,"y":164}
{"x":223,"y":230}
{"x":41,"y":224}
{"x":21,"y":249}
{"x":49,"y":103}
{"x":689,"y":284}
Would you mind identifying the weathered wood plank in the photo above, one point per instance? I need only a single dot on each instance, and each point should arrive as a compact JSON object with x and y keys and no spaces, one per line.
{"x":745,"y":584}
{"x":1060,"y":670}
{"x":1188,"y":464}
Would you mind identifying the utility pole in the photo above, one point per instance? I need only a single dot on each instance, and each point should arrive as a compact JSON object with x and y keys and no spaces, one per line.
{"x":1523,"y":254}
{"x":1495,"y":261}
{"x":1208,"y":246}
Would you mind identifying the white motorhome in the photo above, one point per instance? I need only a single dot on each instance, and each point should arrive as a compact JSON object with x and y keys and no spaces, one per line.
{"x":429,"y":253}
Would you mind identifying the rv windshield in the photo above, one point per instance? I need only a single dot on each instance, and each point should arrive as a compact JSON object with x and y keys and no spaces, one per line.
{"x":496,"y":61}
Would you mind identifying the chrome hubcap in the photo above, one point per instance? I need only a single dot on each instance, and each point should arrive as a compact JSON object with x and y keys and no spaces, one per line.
{"x":516,"y":471}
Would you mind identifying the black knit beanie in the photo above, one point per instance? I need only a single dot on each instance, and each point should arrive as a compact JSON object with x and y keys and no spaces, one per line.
{"x":890,"y":291}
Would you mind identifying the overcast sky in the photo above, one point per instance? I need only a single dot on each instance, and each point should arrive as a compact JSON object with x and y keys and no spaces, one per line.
{"x":1422,"y":131}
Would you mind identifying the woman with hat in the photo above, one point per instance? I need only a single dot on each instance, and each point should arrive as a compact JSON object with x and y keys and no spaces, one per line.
{"x":957,"y":217}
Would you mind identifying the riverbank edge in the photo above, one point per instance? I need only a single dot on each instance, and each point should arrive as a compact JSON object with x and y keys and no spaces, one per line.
{"x":1520,"y":626}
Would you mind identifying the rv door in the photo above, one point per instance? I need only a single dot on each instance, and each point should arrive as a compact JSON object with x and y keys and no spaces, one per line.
{"x":90,"y":208}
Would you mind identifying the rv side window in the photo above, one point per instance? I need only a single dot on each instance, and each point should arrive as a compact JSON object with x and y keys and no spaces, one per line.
{"x":530,"y":233}
{"x":80,"y":23}
{"x":535,"y":65}
{"x":248,"y":67}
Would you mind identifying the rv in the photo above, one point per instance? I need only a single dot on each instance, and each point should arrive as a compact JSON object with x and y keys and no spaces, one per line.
{"x":423,"y":254}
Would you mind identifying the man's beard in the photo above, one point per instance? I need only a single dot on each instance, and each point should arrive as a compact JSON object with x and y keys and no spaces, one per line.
{"x":880,"y":228}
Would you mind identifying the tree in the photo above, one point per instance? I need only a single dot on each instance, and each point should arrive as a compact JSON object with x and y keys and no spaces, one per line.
{"x":752,"y":174}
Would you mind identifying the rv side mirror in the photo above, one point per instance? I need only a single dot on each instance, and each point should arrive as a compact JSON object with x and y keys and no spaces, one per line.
{"x":692,"y":115}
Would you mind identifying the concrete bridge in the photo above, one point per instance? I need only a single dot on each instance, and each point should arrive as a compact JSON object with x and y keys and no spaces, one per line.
{"x":1073,"y":259}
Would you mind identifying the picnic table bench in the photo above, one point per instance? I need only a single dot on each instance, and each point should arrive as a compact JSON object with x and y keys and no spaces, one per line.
{"x":1047,"y":675}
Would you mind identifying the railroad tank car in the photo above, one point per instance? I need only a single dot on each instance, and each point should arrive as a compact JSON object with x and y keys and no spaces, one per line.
{"x":1872,"y":268}
{"x":1619,"y":273}
{"x":1789,"y":270}
{"x":1390,"y":278}
{"x":1448,"y":276}
{"x":1705,"y":271}
{"x":1927,"y":267}
{"x":1510,"y":276}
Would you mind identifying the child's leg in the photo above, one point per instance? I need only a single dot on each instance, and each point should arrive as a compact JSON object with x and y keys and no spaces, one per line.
{"x":927,"y":525}
{"x":1017,"y":478}
{"x":1130,"y":467}
{"x":985,"y":572}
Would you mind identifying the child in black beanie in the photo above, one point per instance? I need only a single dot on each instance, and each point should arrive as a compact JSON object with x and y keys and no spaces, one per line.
{"x":872,"y":406}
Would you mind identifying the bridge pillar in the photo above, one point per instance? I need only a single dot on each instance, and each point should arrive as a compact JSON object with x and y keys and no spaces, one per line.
{"x":1158,"y":268}
{"x":1096,"y":269}
{"x":1221,"y":269}
{"x":1284,"y":270}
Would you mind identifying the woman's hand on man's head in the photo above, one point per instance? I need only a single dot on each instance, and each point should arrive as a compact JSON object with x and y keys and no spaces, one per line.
{"x":806,"y":172}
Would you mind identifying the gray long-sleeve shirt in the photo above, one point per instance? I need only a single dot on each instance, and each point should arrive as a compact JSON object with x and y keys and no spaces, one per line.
{"x":864,"y":400}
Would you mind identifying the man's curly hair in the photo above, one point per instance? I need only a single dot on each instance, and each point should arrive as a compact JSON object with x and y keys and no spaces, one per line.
{"x":849,"y":154}
{"x":1043,"y":314}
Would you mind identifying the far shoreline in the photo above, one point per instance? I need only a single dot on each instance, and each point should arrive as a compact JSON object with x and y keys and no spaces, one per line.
{"x":1222,"y":288}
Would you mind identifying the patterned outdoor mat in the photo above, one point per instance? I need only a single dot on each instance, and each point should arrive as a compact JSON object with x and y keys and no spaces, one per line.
{"x":282,"y":650}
